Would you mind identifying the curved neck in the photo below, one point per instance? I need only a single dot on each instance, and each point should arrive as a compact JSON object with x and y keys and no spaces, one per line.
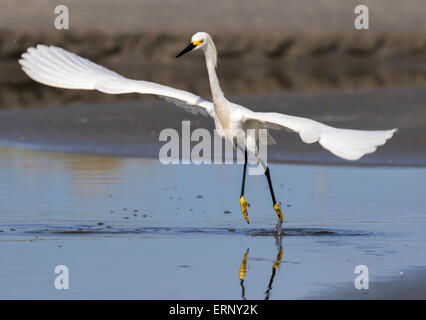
{"x":211,"y":60}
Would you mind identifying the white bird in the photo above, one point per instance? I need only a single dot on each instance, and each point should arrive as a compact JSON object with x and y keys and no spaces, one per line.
{"x":57,"y":67}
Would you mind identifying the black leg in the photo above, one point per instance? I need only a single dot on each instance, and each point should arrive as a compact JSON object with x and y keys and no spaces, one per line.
{"x":275,"y":204}
{"x":243,"y":201}
{"x":268,"y":176}
{"x":243,"y":183}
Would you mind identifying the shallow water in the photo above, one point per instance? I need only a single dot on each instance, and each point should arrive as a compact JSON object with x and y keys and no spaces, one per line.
{"x":134,"y":228}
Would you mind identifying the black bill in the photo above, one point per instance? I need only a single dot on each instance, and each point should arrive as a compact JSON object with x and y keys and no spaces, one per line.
{"x":186,"y":50}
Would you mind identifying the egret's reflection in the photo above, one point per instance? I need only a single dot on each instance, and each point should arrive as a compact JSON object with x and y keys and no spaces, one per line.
{"x":275,"y":266}
{"x":243,"y":270}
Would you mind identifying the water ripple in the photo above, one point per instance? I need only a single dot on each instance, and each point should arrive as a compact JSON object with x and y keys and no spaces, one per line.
{"x":84,"y":229}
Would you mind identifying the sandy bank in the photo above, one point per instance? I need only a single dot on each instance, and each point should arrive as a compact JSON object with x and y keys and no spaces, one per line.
{"x":264,"y":46}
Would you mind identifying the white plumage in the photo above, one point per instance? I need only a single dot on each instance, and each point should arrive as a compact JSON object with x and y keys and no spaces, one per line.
{"x":57,"y":67}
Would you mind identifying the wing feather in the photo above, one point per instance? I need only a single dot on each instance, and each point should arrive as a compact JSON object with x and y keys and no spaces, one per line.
{"x":56,"y":67}
{"x":348,"y":144}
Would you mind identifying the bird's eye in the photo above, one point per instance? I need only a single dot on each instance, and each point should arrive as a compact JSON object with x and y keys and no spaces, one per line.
{"x":197,"y":42}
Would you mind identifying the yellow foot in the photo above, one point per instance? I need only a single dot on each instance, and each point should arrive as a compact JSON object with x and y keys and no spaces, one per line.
{"x":278,"y":211}
{"x":244,"y":206}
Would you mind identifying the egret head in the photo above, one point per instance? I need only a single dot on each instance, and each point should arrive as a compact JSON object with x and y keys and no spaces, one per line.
{"x":198,"y":41}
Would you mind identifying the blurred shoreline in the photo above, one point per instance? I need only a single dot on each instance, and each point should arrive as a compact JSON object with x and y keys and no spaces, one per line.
{"x":264,"y":47}
{"x":256,"y":66}
{"x":131,"y":129}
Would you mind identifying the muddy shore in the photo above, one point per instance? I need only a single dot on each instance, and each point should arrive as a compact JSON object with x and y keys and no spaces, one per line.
{"x":132,"y":128}
{"x":265,"y":47}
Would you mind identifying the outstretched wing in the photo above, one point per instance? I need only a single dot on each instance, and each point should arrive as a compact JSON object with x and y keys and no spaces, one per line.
{"x":57,"y":67}
{"x":345,"y":143}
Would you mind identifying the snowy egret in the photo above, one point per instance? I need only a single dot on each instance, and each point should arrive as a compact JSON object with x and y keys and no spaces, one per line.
{"x":57,"y":67}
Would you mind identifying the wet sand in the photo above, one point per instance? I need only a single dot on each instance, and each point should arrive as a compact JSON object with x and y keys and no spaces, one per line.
{"x":132,"y":128}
